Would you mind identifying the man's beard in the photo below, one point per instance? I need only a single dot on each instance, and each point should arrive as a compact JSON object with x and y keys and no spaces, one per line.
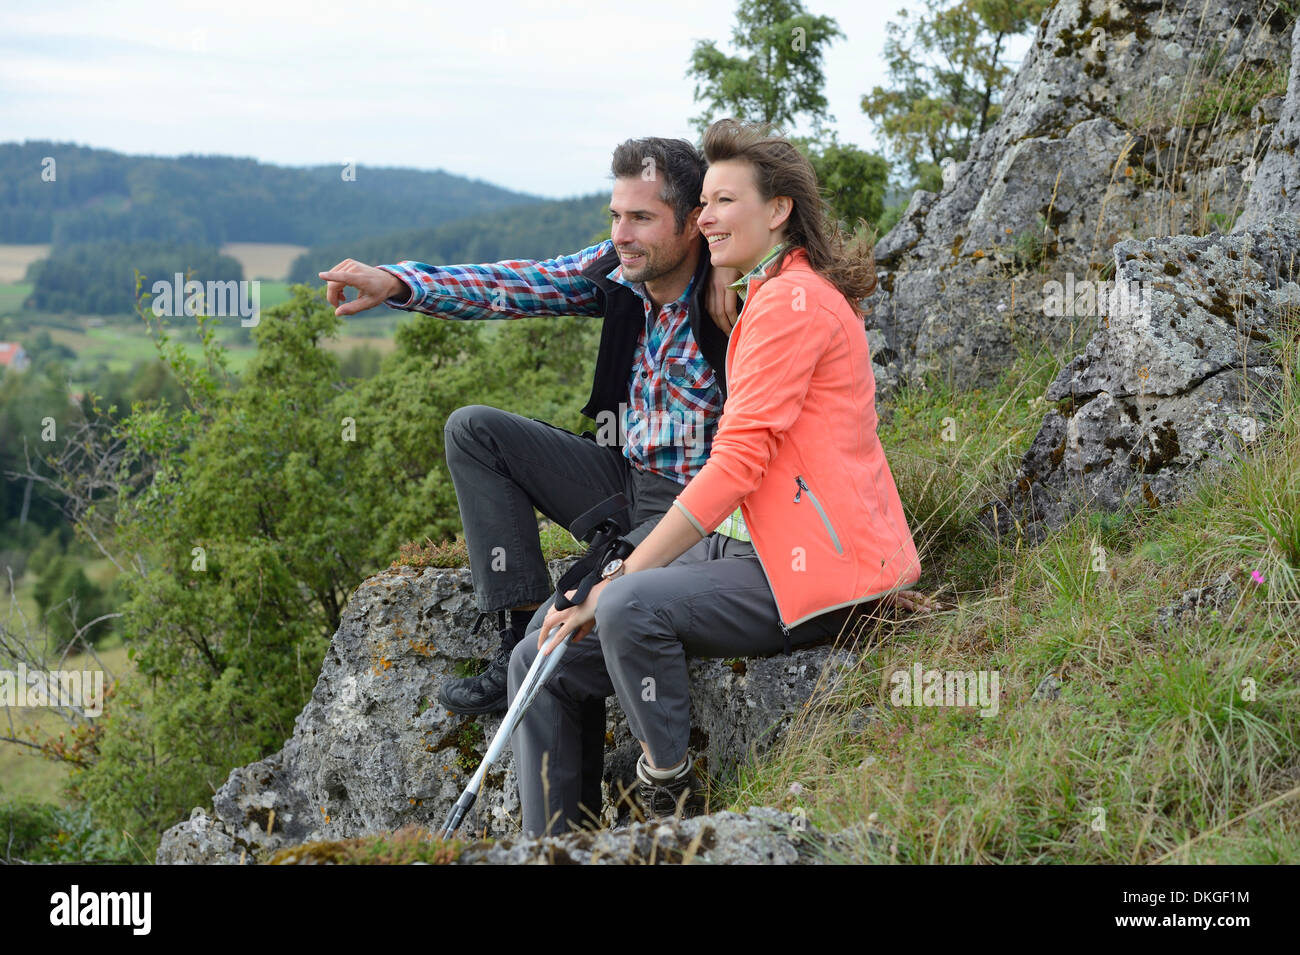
{"x":652,"y":269}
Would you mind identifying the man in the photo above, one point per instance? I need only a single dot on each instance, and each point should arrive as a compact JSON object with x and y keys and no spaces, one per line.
{"x":660,"y":374}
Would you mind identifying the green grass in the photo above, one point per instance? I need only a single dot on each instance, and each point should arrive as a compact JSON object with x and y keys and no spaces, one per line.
{"x":1163,"y":746}
{"x":12,"y":295}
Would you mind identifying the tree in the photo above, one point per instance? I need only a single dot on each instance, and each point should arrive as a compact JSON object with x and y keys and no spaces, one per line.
{"x":778,"y":79}
{"x":778,"y":75}
{"x":854,"y":181}
{"x":932,"y":112}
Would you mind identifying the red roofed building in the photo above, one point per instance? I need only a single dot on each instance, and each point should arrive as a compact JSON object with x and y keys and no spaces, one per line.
{"x":13,"y":356}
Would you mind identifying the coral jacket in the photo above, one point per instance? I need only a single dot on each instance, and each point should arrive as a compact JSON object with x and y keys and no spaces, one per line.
{"x":797,"y":449}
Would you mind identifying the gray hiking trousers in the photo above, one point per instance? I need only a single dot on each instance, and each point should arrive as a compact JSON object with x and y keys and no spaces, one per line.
{"x":503,"y":465}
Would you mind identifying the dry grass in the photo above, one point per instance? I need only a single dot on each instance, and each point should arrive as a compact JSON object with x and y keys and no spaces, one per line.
{"x":14,"y":260}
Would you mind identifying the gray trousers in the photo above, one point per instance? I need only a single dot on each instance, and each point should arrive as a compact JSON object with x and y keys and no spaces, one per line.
{"x":503,"y":465}
{"x":712,"y":601}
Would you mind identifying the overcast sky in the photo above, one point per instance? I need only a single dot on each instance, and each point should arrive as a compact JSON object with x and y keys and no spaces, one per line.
{"x":528,"y":94}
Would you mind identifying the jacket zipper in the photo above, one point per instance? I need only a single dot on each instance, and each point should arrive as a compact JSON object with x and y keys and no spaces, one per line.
{"x":818,"y":504}
{"x":781,"y":623}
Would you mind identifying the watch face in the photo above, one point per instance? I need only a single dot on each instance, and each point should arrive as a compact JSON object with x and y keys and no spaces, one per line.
{"x":612,"y":567}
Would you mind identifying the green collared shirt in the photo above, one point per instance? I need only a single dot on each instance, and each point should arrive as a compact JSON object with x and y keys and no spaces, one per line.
{"x":734,"y":525}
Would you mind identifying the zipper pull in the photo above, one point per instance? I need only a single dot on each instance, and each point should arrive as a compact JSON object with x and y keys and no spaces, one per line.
{"x":802,"y":487}
{"x":786,"y":631}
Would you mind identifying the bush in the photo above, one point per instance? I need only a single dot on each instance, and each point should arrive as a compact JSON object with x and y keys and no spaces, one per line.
{"x":32,"y":831}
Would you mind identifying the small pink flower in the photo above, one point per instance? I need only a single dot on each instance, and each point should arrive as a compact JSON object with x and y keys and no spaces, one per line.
{"x":795,"y":789}
{"x":1257,"y":576}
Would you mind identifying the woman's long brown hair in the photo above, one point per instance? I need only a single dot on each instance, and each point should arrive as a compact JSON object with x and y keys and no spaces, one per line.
{"x":847,"y":262}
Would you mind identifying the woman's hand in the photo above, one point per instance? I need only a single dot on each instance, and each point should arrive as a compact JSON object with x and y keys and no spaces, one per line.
{"x":721,"y":301}
{"x":579,"y":620}
{"x":915,"y":600}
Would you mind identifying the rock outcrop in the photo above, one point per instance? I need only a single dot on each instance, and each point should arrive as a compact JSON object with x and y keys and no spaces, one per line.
{"x":1275,"y":188}
{"x":1184,"y":375}
{"x":1117,"y":126}
{"x":373,"y":751}
{"x":761,"y":836}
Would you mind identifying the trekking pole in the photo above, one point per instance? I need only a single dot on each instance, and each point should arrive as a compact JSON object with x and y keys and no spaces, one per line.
{"x":541,"y":670}
{"x":600,"y":527}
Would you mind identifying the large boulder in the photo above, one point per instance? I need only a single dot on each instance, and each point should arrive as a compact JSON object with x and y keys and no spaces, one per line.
{"x":374,"y":751}
{"x":1099,"y":140}
{"x":1183,"y":377}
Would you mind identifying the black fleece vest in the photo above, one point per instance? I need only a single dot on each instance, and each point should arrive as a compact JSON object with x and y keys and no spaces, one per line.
{"x":624,"y":317}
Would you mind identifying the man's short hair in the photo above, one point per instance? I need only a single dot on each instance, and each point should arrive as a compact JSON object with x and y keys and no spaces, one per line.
{"x":676,"y":164}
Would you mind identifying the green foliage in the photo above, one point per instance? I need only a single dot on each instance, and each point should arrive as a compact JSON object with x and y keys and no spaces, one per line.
{"x":1029,"y":247}
{"x":33,"y":406}
{"x":890,"y":218}
{"x":43,"y":833}
{"x":778,"y":74}
{"x":229,"y":646}
{"x":467,"y":743}
{"x":44,"y":352}
{"x":1235,"y":92}
{"x":853,"y":181}
{"x":935,"y":111}
{"x":69,"y":601}
{"x":778,"y":79}
{"x":361,"y":362}
{"x":296,"y":485}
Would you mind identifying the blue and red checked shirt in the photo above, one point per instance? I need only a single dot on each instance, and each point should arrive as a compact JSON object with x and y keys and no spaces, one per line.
{"x":674,"y":403}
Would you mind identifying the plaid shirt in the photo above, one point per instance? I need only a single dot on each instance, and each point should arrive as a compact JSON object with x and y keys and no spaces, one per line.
{"x":673,"y":404}
{"x":734,"y":525}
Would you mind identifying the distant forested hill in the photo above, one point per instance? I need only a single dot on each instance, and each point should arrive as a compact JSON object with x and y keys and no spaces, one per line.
{"x":535,"y":231}
{"x":98,"y":195}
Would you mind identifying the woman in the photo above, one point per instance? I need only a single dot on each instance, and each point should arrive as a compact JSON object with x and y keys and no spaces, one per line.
{"x":808,"y":520}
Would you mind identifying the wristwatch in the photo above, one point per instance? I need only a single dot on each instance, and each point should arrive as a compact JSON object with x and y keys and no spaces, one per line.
{"x":613,"y":569}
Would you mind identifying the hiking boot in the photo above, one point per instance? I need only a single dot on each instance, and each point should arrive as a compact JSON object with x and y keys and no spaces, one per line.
{"x":486,"y":693}
{"x":679,"y":797}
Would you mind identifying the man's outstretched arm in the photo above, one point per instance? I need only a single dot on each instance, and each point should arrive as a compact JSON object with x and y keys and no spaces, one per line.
{"x":511,"y":289}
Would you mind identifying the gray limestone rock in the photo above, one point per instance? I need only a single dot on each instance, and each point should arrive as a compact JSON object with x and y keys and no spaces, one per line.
{"x":374,"y":751}
{"x":1183,"y":376}
{"x":202,"y":840}
{"x":759,"y":836}
{"x":1199,"y":603}
{"x":1275,"y":186}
